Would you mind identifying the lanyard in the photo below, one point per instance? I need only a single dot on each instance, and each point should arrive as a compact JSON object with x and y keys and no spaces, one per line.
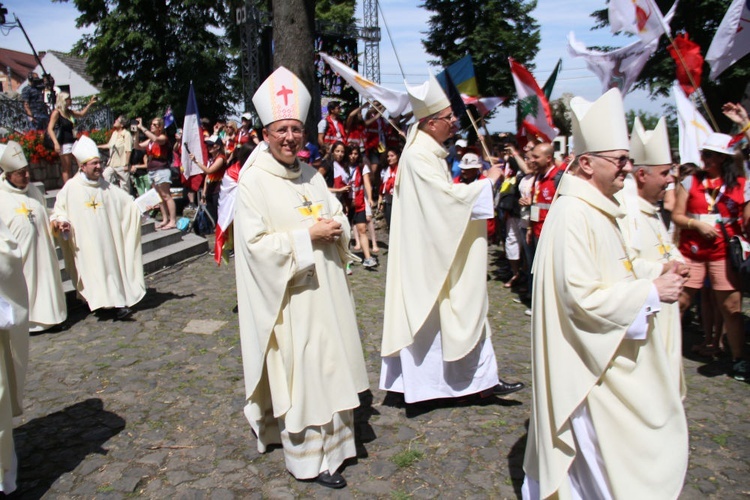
{"x":713,"y":198}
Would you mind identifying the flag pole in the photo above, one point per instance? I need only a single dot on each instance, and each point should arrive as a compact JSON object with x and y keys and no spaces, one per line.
{"x":702,"y":101}
{"x":381,"y":112}
{"x":480,"y":136}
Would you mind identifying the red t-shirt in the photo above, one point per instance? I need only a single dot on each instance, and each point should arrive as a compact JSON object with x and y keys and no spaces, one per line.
{"x":711,"y":196}
{"x":542,"y":194}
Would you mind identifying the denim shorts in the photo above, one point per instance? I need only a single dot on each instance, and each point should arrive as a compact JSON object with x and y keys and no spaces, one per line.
{"x":161,"y":176}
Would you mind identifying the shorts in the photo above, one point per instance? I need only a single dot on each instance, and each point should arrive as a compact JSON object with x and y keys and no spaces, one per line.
{"x":161,"y":176}
{"x":360,"y":217}
{"x":66,"y":149}
{"x":722,"y":276}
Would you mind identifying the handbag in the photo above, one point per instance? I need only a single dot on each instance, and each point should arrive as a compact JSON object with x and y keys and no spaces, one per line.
{"x":47,"y":140}
{"x":738,"y":254}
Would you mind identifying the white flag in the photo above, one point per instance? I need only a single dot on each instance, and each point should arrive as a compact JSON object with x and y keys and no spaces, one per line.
{"x":616,"y":69}
{"x":639,"y":17}
{"x":397,"y":103}
{"x":732,"y":39}
{"x":693,"y":128}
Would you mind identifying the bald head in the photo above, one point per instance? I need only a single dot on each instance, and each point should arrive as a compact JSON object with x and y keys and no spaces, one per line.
{"x":542,"y":157}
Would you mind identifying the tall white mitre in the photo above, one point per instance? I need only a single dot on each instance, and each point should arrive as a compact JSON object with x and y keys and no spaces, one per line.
{"x":428,"y":98}
{"x":12,"y":157}
{"x":599,"y":125}
{"x":650,"y":147}
{"x":85,"y":150}
{"x":282,"y":96}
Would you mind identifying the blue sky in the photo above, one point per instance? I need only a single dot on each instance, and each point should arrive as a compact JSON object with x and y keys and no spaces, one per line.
{"x":52,"y":26}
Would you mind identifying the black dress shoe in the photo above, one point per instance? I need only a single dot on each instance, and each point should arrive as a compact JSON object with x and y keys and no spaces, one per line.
{"x":504,"y":388}
{"x":329,"y":480}
{"x":122,"y":313}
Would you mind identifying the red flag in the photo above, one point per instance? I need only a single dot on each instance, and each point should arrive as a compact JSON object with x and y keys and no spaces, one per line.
{"x":533,"y":110}
{"x":689,"y":59}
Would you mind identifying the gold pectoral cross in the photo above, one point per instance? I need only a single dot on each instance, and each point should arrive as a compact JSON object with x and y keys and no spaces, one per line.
{"x":308,"y":208}
{"x":627,"y":263}
{"x":25,"y":211}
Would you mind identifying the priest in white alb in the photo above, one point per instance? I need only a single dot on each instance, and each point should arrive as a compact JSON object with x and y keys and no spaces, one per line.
{"x":24,"y":211}
{"x":301,"y":349}
{"x":606,"y":419}
{"x":649,"y":244}
{"x":436,"y":336}
{"x":99,"y":230}
{"x":14,"y":351}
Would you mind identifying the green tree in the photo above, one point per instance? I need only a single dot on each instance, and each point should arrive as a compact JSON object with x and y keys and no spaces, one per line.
{"x":488,"y":30}
{"x":335,"y":11}
{"x":145,"y":53}
{"x":700,"y":19}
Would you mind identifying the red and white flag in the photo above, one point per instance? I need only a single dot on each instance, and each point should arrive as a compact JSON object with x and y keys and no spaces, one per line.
{"x":535,"y":115}
{"x":732,"y":39}
{"x":639,"y":17}
{"x":689,"y":62}
{"x":616,"y":69}
{"x":693,"y":128}
{"x":483,"y":104}
{"x":227,"y":198}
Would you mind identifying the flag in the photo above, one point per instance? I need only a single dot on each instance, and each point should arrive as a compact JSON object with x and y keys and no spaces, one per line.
{"x":535,"y":115}
{"x":551,"y":80}
{"x":462,"y":74}
{"x":192,"y":137}
{"x":227,"y":198}
{"x":397,"y":103}
{"x":454,"y":96}
{"x":688,"y":60}
{"x":168,"y":117}
{"x":616,"y":69}
{"x":639,"y":17}
{"x":483,"y":104}
{"x":732,"y":39}
{"x":693,"y":128}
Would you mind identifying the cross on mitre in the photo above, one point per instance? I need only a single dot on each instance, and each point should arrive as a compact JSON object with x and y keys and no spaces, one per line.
{"x":282,"y":96}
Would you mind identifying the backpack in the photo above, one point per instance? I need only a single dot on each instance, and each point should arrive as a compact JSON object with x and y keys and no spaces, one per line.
{"x":203,"y":223}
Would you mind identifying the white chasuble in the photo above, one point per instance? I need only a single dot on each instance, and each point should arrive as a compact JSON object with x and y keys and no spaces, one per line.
{"x":650,"y":250}
{"x":301,"y":350}
{"x":437,"y":255}
{"x":24,"y":212}
{"x":585,"y":298}
{"x":103,"y":249}
{"x":14,"y":351}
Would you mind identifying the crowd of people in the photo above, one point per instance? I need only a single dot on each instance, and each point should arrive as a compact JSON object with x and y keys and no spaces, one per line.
{"x":610,"y":245}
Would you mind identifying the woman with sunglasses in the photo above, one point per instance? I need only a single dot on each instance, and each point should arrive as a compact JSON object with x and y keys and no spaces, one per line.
{"x":707,"y":200}
{"x":158,"y":154}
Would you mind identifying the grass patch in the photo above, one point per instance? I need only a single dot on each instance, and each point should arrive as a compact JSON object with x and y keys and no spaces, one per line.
{"x":494,"y":423}
{"x":721,"y":439}
{"x":105,"y":489}
{"x":400,"y":495}
{"x":407,"y":458}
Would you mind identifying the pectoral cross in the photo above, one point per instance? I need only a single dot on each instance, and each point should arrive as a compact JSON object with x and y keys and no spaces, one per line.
{"x":25,"y":211}
{"x":308,"y":208}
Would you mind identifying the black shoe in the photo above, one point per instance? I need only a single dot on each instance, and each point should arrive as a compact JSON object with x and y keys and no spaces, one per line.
{"x":504,"y":388}
{"x":329,"y":480}
{"x":122,"y":313}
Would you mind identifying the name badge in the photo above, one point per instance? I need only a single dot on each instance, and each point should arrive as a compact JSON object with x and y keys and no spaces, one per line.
{"x":710,"y":219}
{"x":534,"y":213}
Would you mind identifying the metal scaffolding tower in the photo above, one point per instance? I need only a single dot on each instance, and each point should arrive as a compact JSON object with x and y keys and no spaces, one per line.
{"x":370,"y":33}
{"x":251,"y":21}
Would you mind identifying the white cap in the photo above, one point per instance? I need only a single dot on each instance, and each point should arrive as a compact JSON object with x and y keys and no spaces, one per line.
{"x":282,"y":96}
{"x":469,"y":161}
{"x":650,"y":147}
{"x":85,"y":150}
{"x":461,"y":143}
{"x":12,"y":157}
{"x":599,"y":125}
{"x":247,"y":116}
{"x":428,"y":98}
{"x":718,"y":143}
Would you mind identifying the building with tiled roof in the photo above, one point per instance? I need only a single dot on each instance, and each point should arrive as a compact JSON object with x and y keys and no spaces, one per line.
{"x":14,"y":69}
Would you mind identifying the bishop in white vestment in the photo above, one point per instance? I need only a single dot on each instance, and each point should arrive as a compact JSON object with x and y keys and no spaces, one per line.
{"x":606,"y":420}
{"x":99,"y":229}
{"x":301,"y":349}
{"x":436,"y":336}
{"x":24,"y":211}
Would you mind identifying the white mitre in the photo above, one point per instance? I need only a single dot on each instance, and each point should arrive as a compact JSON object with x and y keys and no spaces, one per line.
{"x":85,"y":150}
{"x":12,"y":157}
{"x":650,"y":147}
{"x":599,"y":125}
{"x":428,"y":98}
{"x":282,"y":96}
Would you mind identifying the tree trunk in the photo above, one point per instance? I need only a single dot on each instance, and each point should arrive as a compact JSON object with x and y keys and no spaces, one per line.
{"x":293,"y":37}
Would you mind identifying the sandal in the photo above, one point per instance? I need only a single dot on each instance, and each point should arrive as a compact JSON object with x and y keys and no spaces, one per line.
{"x":511,"y":281}
{"x":166,"y":227}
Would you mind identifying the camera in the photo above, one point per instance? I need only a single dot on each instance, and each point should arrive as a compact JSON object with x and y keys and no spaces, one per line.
{"x":134,"y":126}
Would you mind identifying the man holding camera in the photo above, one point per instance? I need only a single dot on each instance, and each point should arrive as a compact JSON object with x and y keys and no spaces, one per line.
{"x":120,"y":146}
{"x":33,"y":102}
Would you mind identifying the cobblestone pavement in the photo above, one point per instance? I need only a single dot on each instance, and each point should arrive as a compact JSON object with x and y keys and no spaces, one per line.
{"x":153,"y":408}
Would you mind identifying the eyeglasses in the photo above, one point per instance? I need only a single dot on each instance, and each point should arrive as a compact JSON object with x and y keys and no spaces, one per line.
{"x":448,"y":117}
{"x":154,"y":124}
{"x":283,"y":131}
{"x":619,"y":161}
